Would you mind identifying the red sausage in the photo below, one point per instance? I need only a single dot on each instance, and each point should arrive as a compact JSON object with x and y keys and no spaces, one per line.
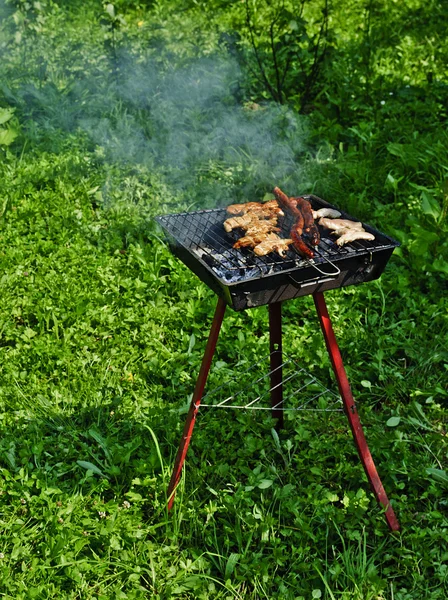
{"x":299,"y":244}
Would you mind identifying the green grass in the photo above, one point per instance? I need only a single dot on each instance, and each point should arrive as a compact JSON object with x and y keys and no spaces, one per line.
{"x":102,"y":330}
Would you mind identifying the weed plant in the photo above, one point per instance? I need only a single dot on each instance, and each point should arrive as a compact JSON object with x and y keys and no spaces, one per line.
{"x":110,"y":115}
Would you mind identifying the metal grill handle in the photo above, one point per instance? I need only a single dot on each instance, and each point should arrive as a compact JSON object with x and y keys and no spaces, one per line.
{"x":337,"y":271}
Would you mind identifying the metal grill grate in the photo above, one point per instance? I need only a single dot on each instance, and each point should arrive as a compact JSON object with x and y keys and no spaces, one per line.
{"x":202,"y":234}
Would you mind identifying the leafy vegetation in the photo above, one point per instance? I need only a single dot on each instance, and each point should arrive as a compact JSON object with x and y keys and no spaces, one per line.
{"x":111,"y":114}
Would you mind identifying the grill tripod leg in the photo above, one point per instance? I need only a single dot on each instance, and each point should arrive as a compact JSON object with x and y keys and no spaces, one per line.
{"x":275,"y":343}
{"x":351,"y":412}
{"x":196,"y":400}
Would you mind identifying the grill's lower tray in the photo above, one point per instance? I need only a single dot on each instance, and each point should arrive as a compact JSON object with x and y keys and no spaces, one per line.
{"x":244,"y":280}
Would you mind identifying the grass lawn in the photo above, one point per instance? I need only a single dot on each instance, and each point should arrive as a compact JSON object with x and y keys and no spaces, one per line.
{"x":110,"y":116}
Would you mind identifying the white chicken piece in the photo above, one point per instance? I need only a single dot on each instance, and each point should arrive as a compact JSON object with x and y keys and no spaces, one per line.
{"x":354,"y":234}
{"x":340,"y":226}
{"x":326,"y":212}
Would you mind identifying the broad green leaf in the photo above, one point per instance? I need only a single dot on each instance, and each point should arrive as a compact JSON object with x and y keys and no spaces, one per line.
{"x":439,"y":475}
{"x":191,"y":344}
{"x":90,"y":467}
{"x":424,"y":234}
{"x":276,"y":439}
{"x":393,"y":421}
{"x":265,"y":483}
{"x":417,"y":408}
{"x":440,"y":265}
{"x":396,"y":149}
{"x":115,"y":543}
{"x":6,"y":114}
{"x":230,"y":566}
{"x":430,"y":206}
{"x":101,"y":442}
{"x":268,"y":196}
{"x":365,"y":383}
{"x":332,"y":497}
{"x":110,"y":9}
{"x":7,"y":136}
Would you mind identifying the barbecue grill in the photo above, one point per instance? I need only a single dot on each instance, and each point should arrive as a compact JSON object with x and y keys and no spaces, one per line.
{"x":243,"y":280}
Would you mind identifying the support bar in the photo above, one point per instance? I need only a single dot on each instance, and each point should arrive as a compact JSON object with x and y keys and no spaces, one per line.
{"x":351,"y":411}
{"x":196,"y":400}
{"x":275,"y":343}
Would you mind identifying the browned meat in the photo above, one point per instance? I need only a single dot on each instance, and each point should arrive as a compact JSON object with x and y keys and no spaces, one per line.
{"x":309,"y":226}
{"x":257,"y":233}
{"x":289,"y":204}
{"x":301,"y":209}
{"x":271,"y":243}
{"x":241,"y":209}
{"x":244,"y":221}
{"x":299,"y":244}
{"x":251,"y":219}
{"x":265,"y":226}
{"x":255,"y":207}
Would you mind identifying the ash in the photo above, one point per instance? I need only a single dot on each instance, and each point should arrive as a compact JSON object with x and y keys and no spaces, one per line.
{"x":232,"y":266}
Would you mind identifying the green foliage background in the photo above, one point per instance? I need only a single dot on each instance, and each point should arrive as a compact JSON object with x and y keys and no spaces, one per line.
{"x":112,"y":114}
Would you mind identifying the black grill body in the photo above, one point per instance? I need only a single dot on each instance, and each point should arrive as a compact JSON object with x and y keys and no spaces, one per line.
{"x":245,"y":280}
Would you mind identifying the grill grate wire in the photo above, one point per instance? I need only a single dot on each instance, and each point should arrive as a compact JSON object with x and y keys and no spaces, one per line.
{"x":296,"y":381}
{"x":202,"y":233}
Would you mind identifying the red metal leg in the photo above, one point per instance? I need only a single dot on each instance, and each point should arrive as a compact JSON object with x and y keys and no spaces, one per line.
{"x":351,"y":412}
{"x":275,"y":343}
{"x":196,"y":400}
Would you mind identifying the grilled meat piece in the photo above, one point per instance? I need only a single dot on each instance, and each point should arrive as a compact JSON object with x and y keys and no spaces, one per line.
{"x":250,"y":241}
{"x":244,"y":222}
{"x":339,"y":225}
{"x":301,"y":209}
{"x":326,"y":212}
{"x":271,"y":243}
{"x":310,"y":227}
{"x":289,"y":204}
{"x":354,"y":234}
{"x":255,"y":207}
{"x":260,"y":222}
{"x":299,"y":243}
{"x":252,"y":212}
{"x":265,"y":226}
{"x":305,"y":208}
{"x":347,"y":231}
{"x":241,"y":209}
{"x":250,"y":220}
{"x":297,"y":230}
{"x":256,"y":234}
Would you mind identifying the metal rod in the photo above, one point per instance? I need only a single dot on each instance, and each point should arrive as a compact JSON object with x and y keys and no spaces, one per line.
{"x":196,"y":400}
{"x":334,"y":274}
{"x":250,"y":385}
{"x":351,"y":411}
{"x":275,"y":345}
{"x":287,"y":409}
